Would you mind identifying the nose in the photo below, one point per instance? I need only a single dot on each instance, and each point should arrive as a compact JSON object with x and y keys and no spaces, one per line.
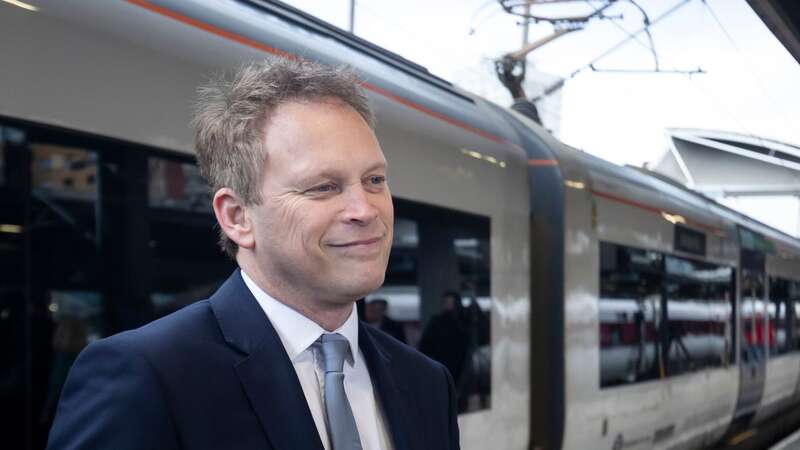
{"x":360,"y":208}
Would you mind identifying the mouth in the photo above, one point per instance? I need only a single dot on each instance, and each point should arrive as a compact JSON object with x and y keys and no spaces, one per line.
{"x":359,"y":243}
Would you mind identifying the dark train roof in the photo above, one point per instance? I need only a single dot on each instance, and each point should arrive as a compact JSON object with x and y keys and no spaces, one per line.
{"x":782,"y":17}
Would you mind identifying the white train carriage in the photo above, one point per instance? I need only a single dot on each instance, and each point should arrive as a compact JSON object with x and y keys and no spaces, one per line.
{"x":683,"y":359}
{"x":606,"y":308}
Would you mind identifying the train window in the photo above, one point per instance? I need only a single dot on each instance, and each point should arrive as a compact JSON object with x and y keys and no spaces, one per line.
{"x":2,"y":158}
{"x":630,"y":315}
{"x":91,"y":245}
{"x":783,"y":321}
{"x":794,"y":311}
{"x":661,"y":315}
{"x":66,"y":299}
{"x":753,"y":312}
{"x":180,"y":213}
{"x":699,"y":315}
{"x":177,"y":185}
{"x":13,"y":311}
{"x":437,"y":294}
{"x":690,"y":241}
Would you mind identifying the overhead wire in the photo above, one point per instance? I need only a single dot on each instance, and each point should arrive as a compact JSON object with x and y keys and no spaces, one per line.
{"x":614,"y":48}
{"x":628,"y":33}
{"x":624,"y":41}
{"x":473,"y":29}
{"x":646,"y":20}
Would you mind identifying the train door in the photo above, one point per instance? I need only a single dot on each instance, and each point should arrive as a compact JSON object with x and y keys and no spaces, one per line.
{"x":752,"y":334}
{"x":96,"y":237}
{"x":14,"y":358}
{"x":53,"y":302}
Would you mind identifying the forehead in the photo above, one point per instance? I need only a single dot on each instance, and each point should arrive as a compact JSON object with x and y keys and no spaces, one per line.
{"x":303,"y":135}
{"x":308,"y":118}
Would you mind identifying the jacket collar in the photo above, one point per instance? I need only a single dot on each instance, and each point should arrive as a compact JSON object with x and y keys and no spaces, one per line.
{"x":390,"y":389}
{"x":271,"y":384}
{"x":267,"y":376}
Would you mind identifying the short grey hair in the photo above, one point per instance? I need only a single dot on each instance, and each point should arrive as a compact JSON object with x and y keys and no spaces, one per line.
{"x":233,"y":109}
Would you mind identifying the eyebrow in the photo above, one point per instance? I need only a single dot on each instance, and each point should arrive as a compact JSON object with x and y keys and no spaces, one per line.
{"x":378,"y":165}
{"x":333,"y":174}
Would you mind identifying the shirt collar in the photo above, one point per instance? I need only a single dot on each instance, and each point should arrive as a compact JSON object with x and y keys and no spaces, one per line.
{"x":296,"y":331}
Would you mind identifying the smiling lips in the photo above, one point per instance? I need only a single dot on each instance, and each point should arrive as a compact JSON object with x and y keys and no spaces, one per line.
{"x":360,"y":243}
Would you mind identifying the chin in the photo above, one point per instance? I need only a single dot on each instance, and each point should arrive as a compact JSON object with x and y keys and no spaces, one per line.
{"x":361,"y":287}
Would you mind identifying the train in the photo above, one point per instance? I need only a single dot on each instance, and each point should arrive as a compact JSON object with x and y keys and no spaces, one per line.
{"x":601,"y":306}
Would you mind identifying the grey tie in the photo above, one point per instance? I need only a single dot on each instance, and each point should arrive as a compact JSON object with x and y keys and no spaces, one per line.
{"x":342,"y":429}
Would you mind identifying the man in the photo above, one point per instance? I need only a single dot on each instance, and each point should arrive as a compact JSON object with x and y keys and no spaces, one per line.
{"x":375,"y":315}
{"x":276,"y":358}
{"x":445,"y":337}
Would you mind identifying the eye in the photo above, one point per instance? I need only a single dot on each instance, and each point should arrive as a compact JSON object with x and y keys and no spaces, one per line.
{"x":322,"y":189}
{"x":377,"y":180}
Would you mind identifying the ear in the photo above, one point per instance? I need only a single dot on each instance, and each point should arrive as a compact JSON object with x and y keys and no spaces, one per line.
{"x":233,"y":218}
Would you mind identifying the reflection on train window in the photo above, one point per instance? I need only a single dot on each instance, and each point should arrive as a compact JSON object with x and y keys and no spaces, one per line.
{"x":753,"y":313}
{"x":177,"y":185}
{"x":64,"y":172}
{"x":13,"y":311}
{"x":796,"y":323}
{"x":2,"y":158}
{"x":97,"y":237}
{"x":67,"y":301}
{"x":661,"y":315}
{"x":699,"y":313}
{"x":180,"y":213}
{"x":630,"y":315}
{"x":437,"y":294}
{"x":783,"y":316}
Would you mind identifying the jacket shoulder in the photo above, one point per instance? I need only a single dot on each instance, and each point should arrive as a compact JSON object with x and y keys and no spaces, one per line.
{"x":172,"y":335}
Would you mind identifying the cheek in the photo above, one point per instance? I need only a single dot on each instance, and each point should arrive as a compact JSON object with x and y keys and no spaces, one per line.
{"x":301,"y":224}
{"x":387,"y":209}
{"x":284,"y":223}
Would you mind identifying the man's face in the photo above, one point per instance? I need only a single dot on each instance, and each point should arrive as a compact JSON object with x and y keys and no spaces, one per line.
{"x":323,"y":230}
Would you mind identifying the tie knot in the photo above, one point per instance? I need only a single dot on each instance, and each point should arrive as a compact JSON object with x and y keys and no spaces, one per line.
{"x":335,"y":348}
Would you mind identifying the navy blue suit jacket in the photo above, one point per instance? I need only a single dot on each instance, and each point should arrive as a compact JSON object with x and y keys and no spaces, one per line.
{"x":215,"y":375}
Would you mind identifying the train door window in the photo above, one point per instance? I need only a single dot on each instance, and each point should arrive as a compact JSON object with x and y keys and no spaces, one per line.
{"x":177,"y":185}
{"x":437,"y":294}
{"x":630,"y":315}
{"x":14,"y":354}
{"x":2,"y":158}
{"x":188,"y":265}
{"x":781,"y":317}
{"x":67,"y":308}
{"x":793,"y":311}
{"x":753,"y":311}
{"x":699,"y":315}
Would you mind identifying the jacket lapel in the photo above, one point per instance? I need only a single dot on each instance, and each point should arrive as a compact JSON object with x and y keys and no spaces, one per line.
{"x":391,"y":394}
{"x":265,"y":371}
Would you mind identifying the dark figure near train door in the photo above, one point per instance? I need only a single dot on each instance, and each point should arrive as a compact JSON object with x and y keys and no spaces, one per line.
{"x":445,"y":338}
{"x":375,"y":315}
{"x":276,"y":358}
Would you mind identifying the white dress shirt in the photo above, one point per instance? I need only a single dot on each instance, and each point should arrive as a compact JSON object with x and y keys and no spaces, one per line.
{"x":297,"y":333}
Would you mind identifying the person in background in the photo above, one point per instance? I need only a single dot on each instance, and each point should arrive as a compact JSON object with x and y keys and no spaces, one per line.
{"x":375,"y":315}
{"x":445,"y":337}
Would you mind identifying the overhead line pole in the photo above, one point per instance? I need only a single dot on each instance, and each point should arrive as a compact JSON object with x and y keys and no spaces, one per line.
{"x":352,"y":15}
{"x":525,"y":29}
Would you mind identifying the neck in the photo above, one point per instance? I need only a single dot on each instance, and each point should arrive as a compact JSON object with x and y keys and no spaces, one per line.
{"x":328,"y":315}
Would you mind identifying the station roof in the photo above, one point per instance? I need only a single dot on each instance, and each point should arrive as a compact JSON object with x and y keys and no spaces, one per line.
{"x":782,"y":17}
{"x":722,"y":163}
